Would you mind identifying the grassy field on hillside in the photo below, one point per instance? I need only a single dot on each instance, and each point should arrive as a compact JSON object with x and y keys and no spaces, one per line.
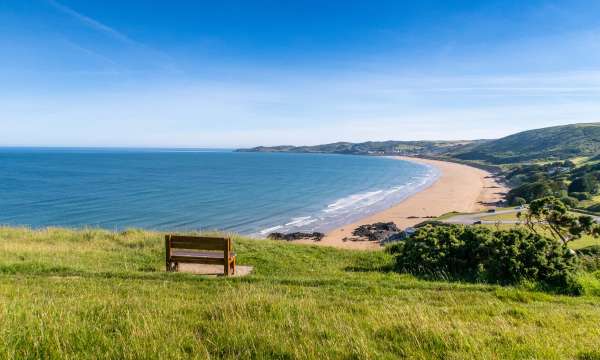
{"x":584,"y":241}
{"x":501,"y":217}
{"x":93,"y":293}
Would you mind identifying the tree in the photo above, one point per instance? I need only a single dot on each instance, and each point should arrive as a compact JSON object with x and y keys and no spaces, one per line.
{"x":519,"y":201}
{"x":586,"y":184}
{"x":551,"y":214}
{"x":530,"y":191}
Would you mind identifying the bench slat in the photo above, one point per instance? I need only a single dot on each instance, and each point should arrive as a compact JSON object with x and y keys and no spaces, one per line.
{"x":197,"y":246}
{"x":193,"y":260}
{"x":200,"y":254}
{"x":199,"y":243}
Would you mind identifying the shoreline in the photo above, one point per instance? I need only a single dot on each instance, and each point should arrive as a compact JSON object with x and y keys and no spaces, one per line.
{"x":458,"y":187}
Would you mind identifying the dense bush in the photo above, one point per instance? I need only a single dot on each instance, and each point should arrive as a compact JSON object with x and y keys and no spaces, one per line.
{"x":480,"y":254}
{"x":581,"y":196}
{"x":519,"y":201}
{"x":530,"y":191}
{"x":590,"y":257}
{"x":586,"y":184}
{"x":570,"y":201}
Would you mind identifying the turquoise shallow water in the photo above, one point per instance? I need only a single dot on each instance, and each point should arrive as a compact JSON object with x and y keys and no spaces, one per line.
{"x":250,"y":193}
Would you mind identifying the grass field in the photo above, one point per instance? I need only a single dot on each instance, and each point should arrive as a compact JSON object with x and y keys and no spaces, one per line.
{"x":501,"y":217}
{"x":97,"y":294}
{"x":584,"y":242}
{"x":511,"y":216}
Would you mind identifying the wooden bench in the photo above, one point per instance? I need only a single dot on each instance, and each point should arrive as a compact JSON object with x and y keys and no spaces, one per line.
{"x":199,"y":250}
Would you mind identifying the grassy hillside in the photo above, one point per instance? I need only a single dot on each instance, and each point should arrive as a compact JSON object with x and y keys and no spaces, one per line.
{"x":89,"y":294}
{"x":548,"y":144}
{"x":553,"y":143}
{"x":429,"y":148}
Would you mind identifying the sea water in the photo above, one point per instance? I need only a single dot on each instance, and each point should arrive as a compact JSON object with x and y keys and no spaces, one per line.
{"x":163,"y":189}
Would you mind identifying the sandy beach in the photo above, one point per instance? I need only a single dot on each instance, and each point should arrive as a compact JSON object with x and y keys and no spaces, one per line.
{"x":459,"y":188}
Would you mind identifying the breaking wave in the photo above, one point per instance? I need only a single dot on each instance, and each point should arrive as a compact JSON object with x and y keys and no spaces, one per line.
{"x":356,"y":206}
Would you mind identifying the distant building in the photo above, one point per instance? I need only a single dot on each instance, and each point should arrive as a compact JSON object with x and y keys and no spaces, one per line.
{"x":558,"y":170}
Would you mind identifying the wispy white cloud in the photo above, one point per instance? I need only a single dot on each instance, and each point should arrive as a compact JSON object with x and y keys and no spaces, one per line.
{"x":162,"y":59}
{"x":89,"y":52}
{"x":93,"y":24}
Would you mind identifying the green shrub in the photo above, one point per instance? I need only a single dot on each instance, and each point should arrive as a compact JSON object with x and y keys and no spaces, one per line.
{"x":570,"y":201}
{"x":530,"y":191}
{"x":480,"y":254}
{"x":581,"y":196}
{"x":593,"y":250}
{"x":518,"y":201}
{"x":395,"y":247}
{"x":590,"y":258}
{"x":586,"y":183}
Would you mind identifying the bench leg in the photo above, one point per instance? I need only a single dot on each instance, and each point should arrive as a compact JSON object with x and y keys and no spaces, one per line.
{"x":233,"y":266}
{"x":172,"y":266}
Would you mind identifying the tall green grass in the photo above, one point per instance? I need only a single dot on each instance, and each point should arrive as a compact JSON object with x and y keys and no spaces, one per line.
{"x":98,"y":294}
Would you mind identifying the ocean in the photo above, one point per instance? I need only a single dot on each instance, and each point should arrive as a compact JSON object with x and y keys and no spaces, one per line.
{"x":180,"y":190}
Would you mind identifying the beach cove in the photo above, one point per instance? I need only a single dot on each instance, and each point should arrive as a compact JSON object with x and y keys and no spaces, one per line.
{"x":459,"y":188}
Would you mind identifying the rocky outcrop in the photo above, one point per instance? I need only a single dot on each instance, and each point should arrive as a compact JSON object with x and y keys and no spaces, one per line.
{"x":315,"y":236}
{"x":380,"y":232}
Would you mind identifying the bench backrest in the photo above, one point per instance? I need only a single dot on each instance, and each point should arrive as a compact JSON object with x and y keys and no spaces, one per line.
{"x":198,"y":243}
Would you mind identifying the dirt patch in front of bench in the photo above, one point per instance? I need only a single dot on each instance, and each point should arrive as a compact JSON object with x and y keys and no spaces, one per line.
{"x":214,"y":270}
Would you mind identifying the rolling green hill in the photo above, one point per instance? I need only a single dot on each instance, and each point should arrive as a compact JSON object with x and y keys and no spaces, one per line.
{"x":553,"y":143}
{"x":547,"y":144}
{"x":91,"y":294}
{"x":411,"y":148}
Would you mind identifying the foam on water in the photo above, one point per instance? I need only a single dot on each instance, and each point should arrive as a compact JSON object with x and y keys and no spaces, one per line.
{"x":267,"y":231}
{"x":356,"y":206}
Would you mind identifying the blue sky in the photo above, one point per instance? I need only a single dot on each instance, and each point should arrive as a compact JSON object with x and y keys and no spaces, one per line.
{"x":243,"y":73}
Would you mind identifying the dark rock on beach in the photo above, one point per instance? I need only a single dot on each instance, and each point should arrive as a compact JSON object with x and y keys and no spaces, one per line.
{"x":381,"y":232}
{"x":316,"y":236}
